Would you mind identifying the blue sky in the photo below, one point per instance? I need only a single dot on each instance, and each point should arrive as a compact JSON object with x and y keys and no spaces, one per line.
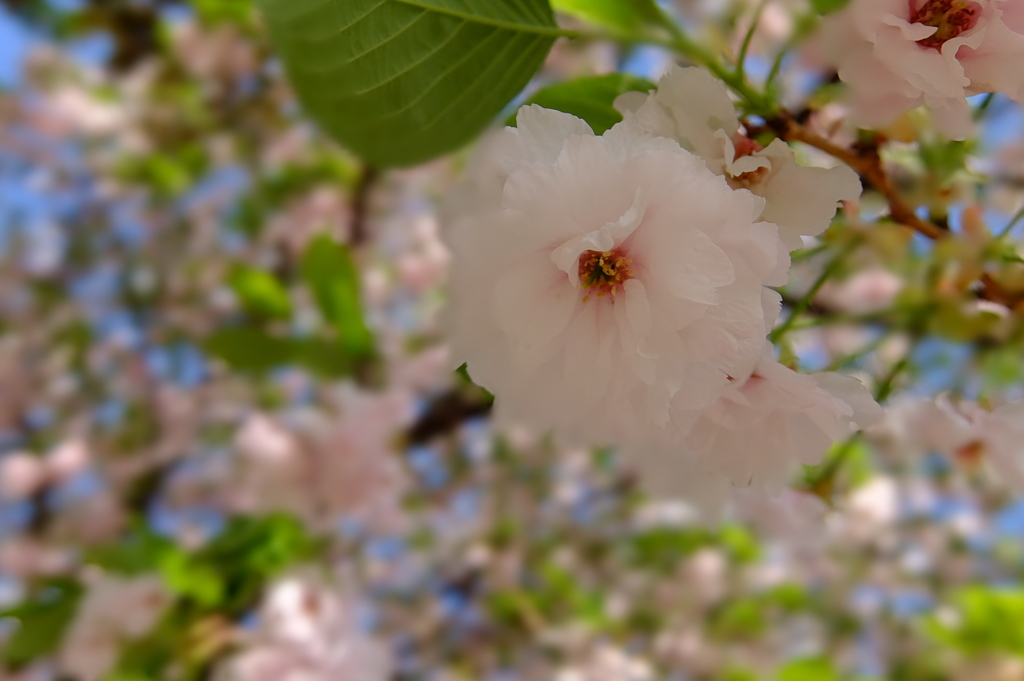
{"x":15,"y":40}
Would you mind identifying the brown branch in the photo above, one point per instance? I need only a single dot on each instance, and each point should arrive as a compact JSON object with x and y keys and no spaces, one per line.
{"x":869,"y":166}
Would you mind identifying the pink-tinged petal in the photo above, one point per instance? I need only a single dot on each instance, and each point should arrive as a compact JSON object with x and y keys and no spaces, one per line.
{"x":986,"y":64}
{"x":543,"y":132}
{"x":1012,"y":14}
{"x":588,"y":352}
{"x":866,"y":411}
{"x":689,"y":264}
{"x":638,"y":308}
{"x":689,"y":106}
{"x":636,"y":357}
{"x":630,"y":102}
{"x":566,"y":257}
{"x":533,"y":302}
{"x":802,"y":200}
{"x":771,"y":304}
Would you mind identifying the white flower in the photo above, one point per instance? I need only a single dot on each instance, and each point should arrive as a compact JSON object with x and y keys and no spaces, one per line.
{"x":693,"y":108}
{"x":21,"y":475}
{"x":896,"y":55}
{"x":322,"y":470}
{"x":607,"y":663}
{"x":114,"y":611}
{"x":960,"y":430}
{"x":307,"y":632}
{"x":595,"y":279}
{"x":868,"y":290}
{"x":757,"y":433}
{"x":792,"y":518}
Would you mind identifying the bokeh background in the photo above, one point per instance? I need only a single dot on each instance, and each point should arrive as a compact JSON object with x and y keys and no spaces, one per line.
{"x":232,"y":445}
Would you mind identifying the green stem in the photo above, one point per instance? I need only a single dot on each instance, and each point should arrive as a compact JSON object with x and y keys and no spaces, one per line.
{"x":1011,"y":224}
{"x":805,"y":301}
{"x":757,"y":102}
{"x":854,"y":356}
{"x":747,"y":39}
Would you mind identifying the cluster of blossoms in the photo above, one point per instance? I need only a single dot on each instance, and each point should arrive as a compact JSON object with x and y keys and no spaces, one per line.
{"x":961,"y":430}
{"x":307,"y":631}
{"x":613,"y":288}
{"x":896,"y":55}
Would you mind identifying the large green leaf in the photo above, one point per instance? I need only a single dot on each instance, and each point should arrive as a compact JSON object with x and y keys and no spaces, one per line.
{"x":402,"y":81}
{"x":591,"y":98}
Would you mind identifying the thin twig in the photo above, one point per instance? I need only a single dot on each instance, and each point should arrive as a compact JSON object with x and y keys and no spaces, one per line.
{"x":869,"y":166}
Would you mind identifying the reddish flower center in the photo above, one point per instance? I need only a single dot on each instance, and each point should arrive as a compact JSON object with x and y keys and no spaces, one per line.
{"x":950,"y":17}
{"x":744,"y":146}
{"x":604,"y":272}
{"x":971,"y":453}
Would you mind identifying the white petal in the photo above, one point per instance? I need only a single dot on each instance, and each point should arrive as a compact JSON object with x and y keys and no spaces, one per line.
{"x":638,"y":308}
{"x":543,"y":132}
{"x":533,"y":302}
{"x":802,"y":200}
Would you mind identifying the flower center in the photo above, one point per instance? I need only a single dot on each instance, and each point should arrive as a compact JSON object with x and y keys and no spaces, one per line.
{"x":744,"y":146}
{"x":604,"y":272}
{"x":951,"y":17}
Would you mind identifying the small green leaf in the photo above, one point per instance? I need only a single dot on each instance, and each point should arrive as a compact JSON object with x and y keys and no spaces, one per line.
{"x":41,"y":622}
{"x":192,"y":579}
{"x":323,"y":357}
{"x":624,"y":18}
{"x":248,"y":349}
{"x":811,"y":669}
{"x":137,"y":553}
{"x":591,"y":98}
{"x":828,"y":6}
{"x":333,"y":277}
{"x":259,"y":292}
{"x":402,"y":81}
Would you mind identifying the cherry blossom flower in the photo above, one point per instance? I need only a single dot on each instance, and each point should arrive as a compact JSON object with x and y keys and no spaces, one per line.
{"x":595,"y":279}
{"x":320,"y":470}
{"x":963,"y":431}
{"x":607,"y":663}
{"x":307,"y":631}
{"x":21,"y":475}
{"x":693,"y":108}
{"x":756,"y":434}
{"x":868,"y":290}
{"x":759,"y":431}
{"x":896,"y":55}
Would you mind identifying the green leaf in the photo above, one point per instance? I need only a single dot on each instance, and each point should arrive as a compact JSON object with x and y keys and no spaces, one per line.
{"x":259,"y":292}
{"x":41,"y":622}
{"x":625,"y":18}
{"x":591,"y":98}
{"x":828,"y":6}
{"x":190,"y":578}
{"x":137,"y":553}
{"x":248,"y":349}
{"x":811,"y":669}
{"x":326,"y":358}
{"x":333,"y":277}
{"x":222,"y":11}
{"x":402,"y":81}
